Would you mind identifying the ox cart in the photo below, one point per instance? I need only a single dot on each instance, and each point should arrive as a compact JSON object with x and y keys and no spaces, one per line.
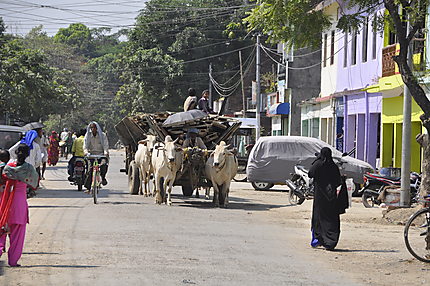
{"x":212,"y":129}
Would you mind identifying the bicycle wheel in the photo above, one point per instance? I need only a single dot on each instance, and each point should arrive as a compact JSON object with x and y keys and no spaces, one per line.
{"x":95,"y":195}
{"x":417,"y":235}
{"x":94,"y":186}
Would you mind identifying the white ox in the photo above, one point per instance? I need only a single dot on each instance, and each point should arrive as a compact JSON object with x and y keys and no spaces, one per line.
{"x":166,"y":161}
{"x":143,"y":161}
{"x":220,"y":168}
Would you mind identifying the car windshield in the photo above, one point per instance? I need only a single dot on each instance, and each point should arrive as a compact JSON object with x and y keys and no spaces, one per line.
{"x":9,"y":138}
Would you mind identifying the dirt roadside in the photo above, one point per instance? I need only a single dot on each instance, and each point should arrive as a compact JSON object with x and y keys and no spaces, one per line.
{"x":371,"y":250}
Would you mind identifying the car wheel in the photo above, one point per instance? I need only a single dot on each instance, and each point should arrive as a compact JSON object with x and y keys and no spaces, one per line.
{"x":262,"y":186}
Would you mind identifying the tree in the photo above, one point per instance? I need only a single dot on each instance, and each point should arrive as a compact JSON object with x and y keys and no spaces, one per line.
{"x":29,"y":88}
{"x":78,"y":36}
{"x":302,"y":25}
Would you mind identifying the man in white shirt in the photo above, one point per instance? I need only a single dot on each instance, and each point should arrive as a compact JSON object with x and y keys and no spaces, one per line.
{"x":96,"y":143}
{"x":63,"y":139}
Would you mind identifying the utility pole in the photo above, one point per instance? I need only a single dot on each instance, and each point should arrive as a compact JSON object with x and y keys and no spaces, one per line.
{"x":210,"y":85}
{"x":257,"y":79}
{"x":243,"y":87}
{"x":406,"y":139}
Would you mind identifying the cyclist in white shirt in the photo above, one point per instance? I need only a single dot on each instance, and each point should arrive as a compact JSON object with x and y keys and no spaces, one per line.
{"x":96,"y":143}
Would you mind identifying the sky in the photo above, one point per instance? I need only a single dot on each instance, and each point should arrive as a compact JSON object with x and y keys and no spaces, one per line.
{"x":20,"y":16}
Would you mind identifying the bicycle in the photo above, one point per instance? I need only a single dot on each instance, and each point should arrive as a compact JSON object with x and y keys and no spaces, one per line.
{"x":417,"y":233}
{"x":96,"y":177}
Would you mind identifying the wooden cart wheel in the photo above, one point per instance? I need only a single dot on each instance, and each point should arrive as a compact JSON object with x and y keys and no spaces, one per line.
{"x":187,"y":189}
{"x":133,"y":178}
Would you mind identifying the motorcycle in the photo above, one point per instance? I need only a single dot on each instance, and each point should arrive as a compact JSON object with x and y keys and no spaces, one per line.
{"x":374,"y":184}
{"x":78,"y":177}
{"x":301,"y":186}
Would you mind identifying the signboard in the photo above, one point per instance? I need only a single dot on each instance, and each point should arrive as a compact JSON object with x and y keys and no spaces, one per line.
{"x":281,"y":90}
{"x":254,"y":92}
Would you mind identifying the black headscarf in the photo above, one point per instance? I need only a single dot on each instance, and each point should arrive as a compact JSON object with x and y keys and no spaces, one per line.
{"x":324,"y":169}
{"x":326,"y":155}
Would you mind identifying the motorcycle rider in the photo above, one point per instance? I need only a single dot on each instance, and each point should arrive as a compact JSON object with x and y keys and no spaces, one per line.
{"x":96,"y":143}
{"x":77,"y":152}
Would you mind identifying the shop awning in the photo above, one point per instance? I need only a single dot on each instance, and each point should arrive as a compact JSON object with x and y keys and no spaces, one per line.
{"x":389,"y":86}
{"x":279,"y":109}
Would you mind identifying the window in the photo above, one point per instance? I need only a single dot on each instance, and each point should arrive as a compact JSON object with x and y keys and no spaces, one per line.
{"x":365,"y":41}
{"x":305,"y":128}
{"x":374,"y":37}
{"x":332,"y":48}
{"x":354,"y":48}
{"x":345,"y":50}
{"x":325,"y":51}
{"x":315,"y":127}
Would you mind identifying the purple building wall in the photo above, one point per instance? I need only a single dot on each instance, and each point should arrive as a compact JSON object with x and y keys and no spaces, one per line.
{"x":361,"y":109}
{"x":366,"y":71}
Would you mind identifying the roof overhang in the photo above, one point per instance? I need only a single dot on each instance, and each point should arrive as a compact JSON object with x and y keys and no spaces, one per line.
{"x":279,"y":109}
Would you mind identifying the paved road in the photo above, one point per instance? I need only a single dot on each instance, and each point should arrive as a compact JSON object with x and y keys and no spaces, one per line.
{"x":128,"y":240}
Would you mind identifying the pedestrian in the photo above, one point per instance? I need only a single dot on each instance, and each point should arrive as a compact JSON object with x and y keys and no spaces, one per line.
{"x":203,"y":103}
{"x":53,"y":150}
{"x":35,"y":157}
{"x":44,"y":145}
{"x":63,"y":139}
{"x":191,"y":101}
{"x":69,"y":144}
{"x":325,"y":212}
{"x":14,"y":207}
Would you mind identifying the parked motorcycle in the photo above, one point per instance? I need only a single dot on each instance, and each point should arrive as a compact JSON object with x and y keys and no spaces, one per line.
{"x":301,"y":186}
{"x":78,"y":177}
{"x":375,"y":183}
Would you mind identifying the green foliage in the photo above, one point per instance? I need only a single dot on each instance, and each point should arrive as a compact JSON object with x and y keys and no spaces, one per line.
{"x":141,"y":68}
{"x":29,"y":88}
{"x":78,"y":36}
{"x":293,"y":22}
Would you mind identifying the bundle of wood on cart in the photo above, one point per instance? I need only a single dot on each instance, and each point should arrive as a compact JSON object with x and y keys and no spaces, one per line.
{"x":211,"y":128}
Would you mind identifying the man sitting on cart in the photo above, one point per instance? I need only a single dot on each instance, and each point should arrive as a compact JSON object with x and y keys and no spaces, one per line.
{"x":96,"y":143}
{"x":193,"y":140}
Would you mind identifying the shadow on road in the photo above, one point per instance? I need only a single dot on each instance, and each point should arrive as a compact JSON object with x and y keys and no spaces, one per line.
{"x":2,"y":268}
{"x":59,"y":266}
{"x":72,"y":207}
{"x":234,"y":204}
{"x":365,"y":250}
{"x":47,"y":253}
{"x":122,"y":203}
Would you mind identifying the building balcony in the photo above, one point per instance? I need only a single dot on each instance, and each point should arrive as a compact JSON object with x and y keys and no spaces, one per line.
{"x":388,"y":65}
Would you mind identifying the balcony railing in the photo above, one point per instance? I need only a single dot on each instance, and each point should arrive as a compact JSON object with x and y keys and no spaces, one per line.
{"x":388,"y":64}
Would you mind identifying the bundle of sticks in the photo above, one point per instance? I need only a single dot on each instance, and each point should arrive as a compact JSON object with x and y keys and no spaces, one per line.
{"x":212,"y":129}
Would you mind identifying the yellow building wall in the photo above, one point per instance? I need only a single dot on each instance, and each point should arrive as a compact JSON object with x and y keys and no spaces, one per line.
{"x":387,"y":144}
{"x":392,"y":118}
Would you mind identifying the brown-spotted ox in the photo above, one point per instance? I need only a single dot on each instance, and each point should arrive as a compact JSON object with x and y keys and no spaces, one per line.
{"x":143,"y":162}
{"x":220,"y":168}
{"x":166,"y":160}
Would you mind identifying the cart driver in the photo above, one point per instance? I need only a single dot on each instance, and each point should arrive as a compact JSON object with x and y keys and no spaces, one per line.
{"x":193,"y":140}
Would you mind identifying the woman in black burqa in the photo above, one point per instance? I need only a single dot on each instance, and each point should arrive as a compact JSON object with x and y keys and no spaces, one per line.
{"x":325,"y":213}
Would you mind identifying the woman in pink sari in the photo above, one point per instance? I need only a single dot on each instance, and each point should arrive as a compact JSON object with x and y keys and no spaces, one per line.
{"x":13,"y":207}
{"x":53,"y":149}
